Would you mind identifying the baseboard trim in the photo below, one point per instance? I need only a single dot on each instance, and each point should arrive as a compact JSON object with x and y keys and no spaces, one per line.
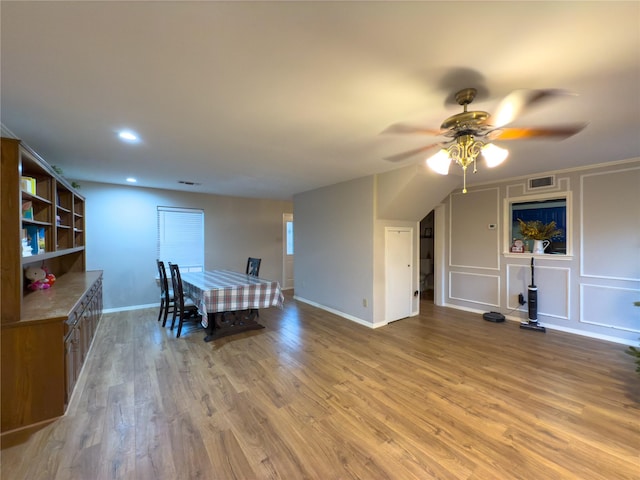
{"x":551,"y":326}
{"x":20,"y":435}
{"x":339,"y":313}
{"x":131,"y":307}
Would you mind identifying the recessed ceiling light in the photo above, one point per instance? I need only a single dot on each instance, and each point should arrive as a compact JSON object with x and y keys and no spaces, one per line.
{"x":131,"y":180}
{"x":128,"y":136}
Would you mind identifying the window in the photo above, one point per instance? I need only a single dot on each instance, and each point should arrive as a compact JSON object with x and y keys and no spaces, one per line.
{"x":289,"y":230}
{"x":545,"y":208}
{"x":181,"y":237}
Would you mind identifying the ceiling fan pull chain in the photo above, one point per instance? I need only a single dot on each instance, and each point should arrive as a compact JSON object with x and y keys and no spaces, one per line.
{"x":464,"y":179}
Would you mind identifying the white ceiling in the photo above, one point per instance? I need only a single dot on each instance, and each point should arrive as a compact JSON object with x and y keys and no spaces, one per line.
{"x":268,"y":99}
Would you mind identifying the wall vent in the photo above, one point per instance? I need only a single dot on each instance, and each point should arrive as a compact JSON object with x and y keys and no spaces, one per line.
{"x":542,"y":182}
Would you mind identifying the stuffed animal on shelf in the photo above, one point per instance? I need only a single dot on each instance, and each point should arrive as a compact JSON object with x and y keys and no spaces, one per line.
{"x":38,"y":278}
{"x":51,"y":278}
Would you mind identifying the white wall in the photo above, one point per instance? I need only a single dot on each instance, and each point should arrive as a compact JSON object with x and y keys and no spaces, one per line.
{"x":589,"y":291}
{"x":121,"y":224}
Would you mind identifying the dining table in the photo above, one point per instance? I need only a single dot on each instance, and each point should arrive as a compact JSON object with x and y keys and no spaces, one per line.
{"x":229,"y":301}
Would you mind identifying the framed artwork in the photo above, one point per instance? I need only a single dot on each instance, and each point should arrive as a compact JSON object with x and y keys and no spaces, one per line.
{"x":428,"y":232}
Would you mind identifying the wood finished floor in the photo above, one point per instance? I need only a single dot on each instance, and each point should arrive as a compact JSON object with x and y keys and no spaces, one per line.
{"x":313,"y":396}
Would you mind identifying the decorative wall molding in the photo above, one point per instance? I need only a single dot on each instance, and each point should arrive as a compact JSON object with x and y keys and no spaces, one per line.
{"x":515,"y":190}
{"x":506,"y":216}
{"x":472,"y":232}
{"x":482,"y":285}
{"x":596,"y":301}
{"x":589,"y":214}
{"x":561,"y":184}
{"x":564,"y":183}
{"x":547,"y":279}
{"x":600,"y":260}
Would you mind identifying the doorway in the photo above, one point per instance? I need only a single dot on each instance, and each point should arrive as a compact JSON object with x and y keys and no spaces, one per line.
{"x":427,"y":256}
{"x":287,"y":251}
{"x":398,"y":272}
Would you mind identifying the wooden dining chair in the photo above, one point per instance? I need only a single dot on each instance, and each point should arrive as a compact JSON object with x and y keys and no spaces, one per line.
{"x":184,"y":309}
{"x":253,"y":266}
{"x":167,"y":304}
{"x":253,"y":269}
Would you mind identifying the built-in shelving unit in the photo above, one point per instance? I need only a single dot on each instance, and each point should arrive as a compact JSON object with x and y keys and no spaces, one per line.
{"x":45,"y":334}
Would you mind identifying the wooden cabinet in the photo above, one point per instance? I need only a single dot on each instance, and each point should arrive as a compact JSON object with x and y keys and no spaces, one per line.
{"x":72,"y":362}
{"x":42,"y":354}
{"x":45,"y":334}
{"x":81,"y":325}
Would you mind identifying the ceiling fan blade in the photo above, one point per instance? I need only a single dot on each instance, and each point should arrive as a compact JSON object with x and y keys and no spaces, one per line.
{"x":404,"y":128}
{"x":514,"y":104}
{"x":410,"y":153}
{"x":557,"y":133}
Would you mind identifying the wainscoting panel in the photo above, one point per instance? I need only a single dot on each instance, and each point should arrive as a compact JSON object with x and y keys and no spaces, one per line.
{"x":553,"y":288}
{"x":610,"y":236}
{"x":474,"y":239}
{"x":475,"y":287}
{"x":515,"y":190}
{"x":610,"y":307}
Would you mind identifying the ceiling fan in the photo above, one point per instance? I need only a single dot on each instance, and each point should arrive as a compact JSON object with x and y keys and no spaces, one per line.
{"x":470,"y":132}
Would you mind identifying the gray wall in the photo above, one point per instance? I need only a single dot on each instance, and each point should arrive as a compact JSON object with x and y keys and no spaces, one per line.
{"x":590,"y":291}
{"x":334,"y":248}
{"x":340,"y":239}
{"x":121,"y":223}
{"x":339,"y":246}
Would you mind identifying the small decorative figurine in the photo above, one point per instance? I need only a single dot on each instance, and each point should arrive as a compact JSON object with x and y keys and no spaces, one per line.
{"x":38,"y":278}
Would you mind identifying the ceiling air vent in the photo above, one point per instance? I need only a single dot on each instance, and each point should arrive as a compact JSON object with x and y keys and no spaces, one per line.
{"x":542,"y":182}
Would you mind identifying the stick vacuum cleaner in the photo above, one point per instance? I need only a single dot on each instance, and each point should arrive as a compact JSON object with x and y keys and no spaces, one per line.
{"x":532,"y":324}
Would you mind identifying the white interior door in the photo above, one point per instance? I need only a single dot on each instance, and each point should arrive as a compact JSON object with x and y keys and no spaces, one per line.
{"x":287,"y":251}
{"x":398,"y":272}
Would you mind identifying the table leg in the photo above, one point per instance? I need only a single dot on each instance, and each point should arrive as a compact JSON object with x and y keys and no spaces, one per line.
{"x":223,"y":324}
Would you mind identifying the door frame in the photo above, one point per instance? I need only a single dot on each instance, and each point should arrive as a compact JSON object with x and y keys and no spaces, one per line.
{"x":439,"y":252}
{"x":286,"y":217}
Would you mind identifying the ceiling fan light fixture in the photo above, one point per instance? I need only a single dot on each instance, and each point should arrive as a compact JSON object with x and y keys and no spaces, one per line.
{"x":470,"y":129}
{"x":464,"y":152}
{"x":494,"y":155}
{"x":440,"y":162}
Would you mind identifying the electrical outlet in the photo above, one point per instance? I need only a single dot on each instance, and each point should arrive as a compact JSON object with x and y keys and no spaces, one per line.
{"x":521,"y":299}
{"x":364,"y":302}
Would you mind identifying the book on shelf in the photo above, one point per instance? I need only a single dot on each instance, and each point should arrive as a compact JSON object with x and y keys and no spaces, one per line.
{"x":27,"y":210}
{"x":24,"y":241}
{"x":41,"y":241}
{"x":36,"y":239}
{"x":28,"y":184}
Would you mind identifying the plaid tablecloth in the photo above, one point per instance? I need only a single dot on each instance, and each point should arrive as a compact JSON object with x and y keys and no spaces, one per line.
{"x":225,"y":291}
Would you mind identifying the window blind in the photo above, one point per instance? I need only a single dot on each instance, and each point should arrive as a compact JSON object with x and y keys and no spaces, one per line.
{"x":181,"y":237}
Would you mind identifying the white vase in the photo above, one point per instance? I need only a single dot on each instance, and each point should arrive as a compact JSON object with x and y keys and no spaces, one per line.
{"x":539,"y":246}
